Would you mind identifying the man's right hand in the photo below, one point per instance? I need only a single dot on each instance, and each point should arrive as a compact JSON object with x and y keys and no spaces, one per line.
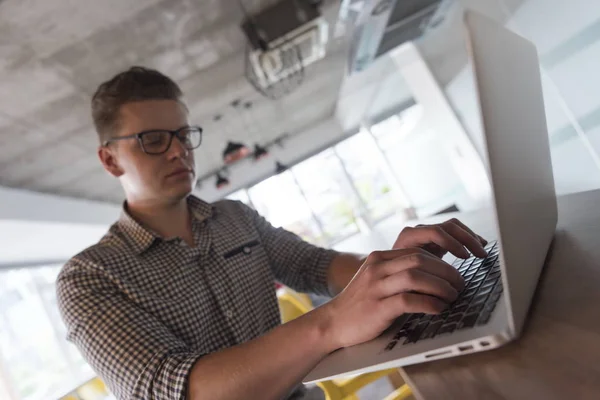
{"x":389,"y":284}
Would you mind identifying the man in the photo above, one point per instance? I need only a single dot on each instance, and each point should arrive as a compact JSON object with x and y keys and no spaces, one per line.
{"x":177,"y":300}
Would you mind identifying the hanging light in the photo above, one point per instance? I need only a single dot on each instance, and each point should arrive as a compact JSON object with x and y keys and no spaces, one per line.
{"x":260,"y":152}
{"x":279,"y":167}
{"x":221,"y":181}
{"x":234,"y":152}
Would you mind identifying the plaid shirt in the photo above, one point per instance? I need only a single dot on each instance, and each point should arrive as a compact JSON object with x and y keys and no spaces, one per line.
{"x":142,"y":309}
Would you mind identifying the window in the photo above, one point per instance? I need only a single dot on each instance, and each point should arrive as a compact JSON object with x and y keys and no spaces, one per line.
{"x":329,"y":194}
{"x":373,"y":181}
{"x":39,"y":362}
{"x":280,"y":201}
{"x":419,"y":161}
{"x":240,"y":195}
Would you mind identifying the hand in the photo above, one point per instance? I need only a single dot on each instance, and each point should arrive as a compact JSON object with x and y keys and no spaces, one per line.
{"x":451,"y":236}
{"x":389,"y":284}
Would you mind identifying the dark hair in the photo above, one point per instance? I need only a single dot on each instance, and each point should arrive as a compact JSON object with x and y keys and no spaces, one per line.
{"x":135,"y":84}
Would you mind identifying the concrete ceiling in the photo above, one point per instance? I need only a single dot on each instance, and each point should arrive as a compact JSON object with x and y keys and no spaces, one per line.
{"x":54,"y":53}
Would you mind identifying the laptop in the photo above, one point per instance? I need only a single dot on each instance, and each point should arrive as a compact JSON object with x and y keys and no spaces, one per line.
{"x":492,"y":308}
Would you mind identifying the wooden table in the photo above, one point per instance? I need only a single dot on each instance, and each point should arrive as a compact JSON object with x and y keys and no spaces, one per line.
{"x":558,"y":355}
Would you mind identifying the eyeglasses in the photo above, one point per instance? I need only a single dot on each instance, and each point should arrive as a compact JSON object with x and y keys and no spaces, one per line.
{"x":158,"y":141}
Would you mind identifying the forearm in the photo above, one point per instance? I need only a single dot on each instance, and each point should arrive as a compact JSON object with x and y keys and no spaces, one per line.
{"x":267,"y":367}
{"x":341,"y":271}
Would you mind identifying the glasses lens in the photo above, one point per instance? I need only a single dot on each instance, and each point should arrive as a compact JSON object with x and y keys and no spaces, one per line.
{"x":190,"y":137}
{"x":156,"y":142}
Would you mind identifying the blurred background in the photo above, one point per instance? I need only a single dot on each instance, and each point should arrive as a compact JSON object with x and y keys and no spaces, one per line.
{"x":337,"y":120}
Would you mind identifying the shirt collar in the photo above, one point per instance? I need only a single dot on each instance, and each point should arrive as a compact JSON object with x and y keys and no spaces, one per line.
{"x":141,"y":238}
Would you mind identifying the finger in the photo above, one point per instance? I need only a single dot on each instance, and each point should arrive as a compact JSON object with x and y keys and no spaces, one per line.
{"x":402,"y":303}
{"x":425,"y":262}
{"x":415,"y":280}
{"x":465,"y":238}
{"x":437,"y":235}
{"x":466,"y":228}
{"x":388,"y":255}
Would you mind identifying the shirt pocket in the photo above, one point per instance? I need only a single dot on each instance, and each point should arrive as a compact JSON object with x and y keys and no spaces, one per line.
{"x":246,"y":248}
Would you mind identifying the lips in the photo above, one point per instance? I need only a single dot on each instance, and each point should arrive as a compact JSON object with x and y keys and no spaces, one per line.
{"x":180,"y":171}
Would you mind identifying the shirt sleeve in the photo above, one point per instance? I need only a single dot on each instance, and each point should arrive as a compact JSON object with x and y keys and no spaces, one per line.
{"x":295,"y":263}
{"x":131,"y":350}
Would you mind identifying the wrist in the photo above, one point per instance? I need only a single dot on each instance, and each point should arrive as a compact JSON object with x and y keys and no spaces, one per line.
{"x":323,"y":320}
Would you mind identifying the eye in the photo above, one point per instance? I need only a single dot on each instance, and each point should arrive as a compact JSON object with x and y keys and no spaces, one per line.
{"x":156,"y":138}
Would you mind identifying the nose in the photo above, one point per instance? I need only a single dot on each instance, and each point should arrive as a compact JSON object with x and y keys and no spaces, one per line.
{"x":177,"y":149}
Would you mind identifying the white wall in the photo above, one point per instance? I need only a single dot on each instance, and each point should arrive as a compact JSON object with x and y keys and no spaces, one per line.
{"x":22,"y":205}
{"x":567,"y":34}
{"x":38,"y":228}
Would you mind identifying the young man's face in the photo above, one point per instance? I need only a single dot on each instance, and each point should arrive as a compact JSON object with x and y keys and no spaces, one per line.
{"x":148,"y":177}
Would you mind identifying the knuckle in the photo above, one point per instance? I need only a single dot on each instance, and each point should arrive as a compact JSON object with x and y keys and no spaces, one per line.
{"x":406,"y":230}
{"x":410,"y":277}
{"x":375,"y":256}
{"x":439,"y":230}
{"x":419,"y":258}
{"x":433,"y":304}
{"x":454,"y":220}
{"x":403,"y":300}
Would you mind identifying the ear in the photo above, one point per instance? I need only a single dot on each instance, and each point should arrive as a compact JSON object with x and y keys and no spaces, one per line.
{"x":109,"y":161}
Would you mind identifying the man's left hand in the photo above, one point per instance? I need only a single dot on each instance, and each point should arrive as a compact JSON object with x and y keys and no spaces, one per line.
{"x":451,"y":236}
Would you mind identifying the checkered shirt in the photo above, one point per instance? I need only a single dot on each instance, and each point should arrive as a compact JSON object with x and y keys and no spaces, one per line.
{"x":143,"y":309}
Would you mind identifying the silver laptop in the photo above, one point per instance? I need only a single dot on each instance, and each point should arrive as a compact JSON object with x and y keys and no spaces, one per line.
{"x":492,"y":309}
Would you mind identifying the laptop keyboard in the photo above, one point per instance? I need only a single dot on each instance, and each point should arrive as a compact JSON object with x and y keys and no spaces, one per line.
{"x":474,"y":306}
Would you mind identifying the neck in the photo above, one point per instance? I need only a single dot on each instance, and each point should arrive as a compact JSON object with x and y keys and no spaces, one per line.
{"x":168,"y":220}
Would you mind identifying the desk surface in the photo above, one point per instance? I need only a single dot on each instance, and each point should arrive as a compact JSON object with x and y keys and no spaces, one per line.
{"x":558,"y":355}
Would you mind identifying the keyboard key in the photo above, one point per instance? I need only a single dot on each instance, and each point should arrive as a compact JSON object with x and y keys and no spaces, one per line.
{"x":468,"y":276}
{"x":494,"y":298}
{"x":475,"y":309}
{"x":482,"y":295}
{"x":402,"y":333}
{"x":391,"y":345}
{"x":481,"y":273}
{"x":436,"y":319}
{"x":478,"y":300}
{"x":446,"y":329}
{"x":476,"y":282}
{"x":459,"y":303}
{"x":431,"y":330}
{"x":468,"y":321}
{"x":414,"y":335}
{"x":486,"y":288}
{"x":495,"y":275}
{"x":497,"y":288}
{"x":454,"y":318}
{"x":460,"y":309}
{"x":469,"y":293}
{"x":486,"y":314}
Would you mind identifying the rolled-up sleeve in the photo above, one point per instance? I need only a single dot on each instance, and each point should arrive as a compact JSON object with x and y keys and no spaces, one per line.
{"x":132,"y":351}
{"x":295,"y":263}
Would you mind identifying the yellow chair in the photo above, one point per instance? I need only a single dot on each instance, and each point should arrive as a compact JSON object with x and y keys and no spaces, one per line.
{"x":292,"y":305}
{"x":70,"y":397}
{"x":94,"y":389}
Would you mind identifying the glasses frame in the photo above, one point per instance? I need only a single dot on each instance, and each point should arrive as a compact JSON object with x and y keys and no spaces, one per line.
{"x":174,"y":133}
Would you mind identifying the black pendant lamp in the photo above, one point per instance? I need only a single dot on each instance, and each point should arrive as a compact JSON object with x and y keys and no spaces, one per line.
{"x":221,"y":181}
{"x":234,"y":152}
{"x":260,"y":152}
{"x":279,"y":167}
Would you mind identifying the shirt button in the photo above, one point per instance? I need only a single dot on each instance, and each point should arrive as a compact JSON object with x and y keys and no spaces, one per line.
{"x":247,"y":250}
{"x":229,"y":314}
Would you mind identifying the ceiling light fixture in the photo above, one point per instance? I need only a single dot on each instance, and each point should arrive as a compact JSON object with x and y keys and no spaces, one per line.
{"x":260,"y":152}
{"x":221,"y":181}
{"x":279,"y":167}
{"x":234,"y":152}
